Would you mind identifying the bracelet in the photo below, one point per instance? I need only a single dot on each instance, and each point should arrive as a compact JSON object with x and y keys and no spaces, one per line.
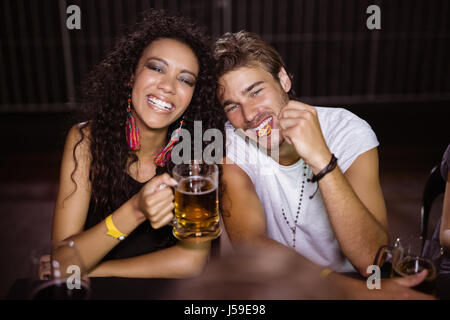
{"x":112,"y":230}
{"x":330,"y":167}
{"x":326,"y":272}
{"x":316,"y":177}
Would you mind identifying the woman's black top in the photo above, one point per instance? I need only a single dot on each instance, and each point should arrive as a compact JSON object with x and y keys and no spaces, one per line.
{"x":144,"y":239}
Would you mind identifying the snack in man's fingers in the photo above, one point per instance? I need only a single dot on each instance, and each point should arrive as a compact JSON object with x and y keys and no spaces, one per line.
{"x":264,"y":131}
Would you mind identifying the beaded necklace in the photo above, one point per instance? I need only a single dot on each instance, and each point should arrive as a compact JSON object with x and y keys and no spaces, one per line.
{"x":293,"y":228}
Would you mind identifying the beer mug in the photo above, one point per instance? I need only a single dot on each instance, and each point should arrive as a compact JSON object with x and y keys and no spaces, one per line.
{"x":411,"y":255}
{"x":58,"y":273}
{"x":196,"y":202}
{"x":388,"y":256}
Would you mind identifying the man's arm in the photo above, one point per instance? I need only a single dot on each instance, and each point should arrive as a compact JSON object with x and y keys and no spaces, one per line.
{"x":354,"y":202}
{"x":356,"y":209}
{"x":246,"y":226}
{"x":184,"y":260}
{"x":243,"y":213}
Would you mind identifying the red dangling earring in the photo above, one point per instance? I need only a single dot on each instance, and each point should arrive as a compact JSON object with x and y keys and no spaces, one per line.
{"x":164,"y":156}
{"x":132,"y":131}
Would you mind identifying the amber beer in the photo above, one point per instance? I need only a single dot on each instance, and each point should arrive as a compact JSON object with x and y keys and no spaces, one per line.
{"x":413,"y":265}
{"x":196,"y":207}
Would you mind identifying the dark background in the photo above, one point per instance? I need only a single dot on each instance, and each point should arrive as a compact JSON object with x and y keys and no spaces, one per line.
{"x":396,"y":78}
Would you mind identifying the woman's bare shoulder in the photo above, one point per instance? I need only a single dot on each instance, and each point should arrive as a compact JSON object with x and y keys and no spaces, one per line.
{"x":80,"y":129}
{"x":78,"y":139}
{"x":80,"y":132}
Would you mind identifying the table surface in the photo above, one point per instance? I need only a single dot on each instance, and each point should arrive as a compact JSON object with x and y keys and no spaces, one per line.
{"x":109,"y":288}
{"x":157,"y":289}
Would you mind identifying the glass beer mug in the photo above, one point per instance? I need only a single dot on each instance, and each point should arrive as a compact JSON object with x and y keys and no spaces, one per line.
{"x":58,"y":273}
{"x":196,"y":202}
{"x":410,"y":256}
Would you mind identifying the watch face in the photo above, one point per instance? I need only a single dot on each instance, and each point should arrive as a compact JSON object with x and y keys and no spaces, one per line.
{"x":121,"y":238}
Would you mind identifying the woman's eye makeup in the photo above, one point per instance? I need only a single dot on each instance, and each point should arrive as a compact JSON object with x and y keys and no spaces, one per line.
{"x":187,"y":80}
{"x":161,"y":68}
{"x":155,"y":67}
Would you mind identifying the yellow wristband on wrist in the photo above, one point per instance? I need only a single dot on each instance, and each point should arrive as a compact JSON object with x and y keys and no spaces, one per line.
{"x":113,"y":231}
{"x":326,"y":272}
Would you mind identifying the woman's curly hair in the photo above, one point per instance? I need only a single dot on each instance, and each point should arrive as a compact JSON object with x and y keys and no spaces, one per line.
{"x":106,"y":91}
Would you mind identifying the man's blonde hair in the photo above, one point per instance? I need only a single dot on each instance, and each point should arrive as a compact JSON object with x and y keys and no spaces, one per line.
{"x":247,"y":49}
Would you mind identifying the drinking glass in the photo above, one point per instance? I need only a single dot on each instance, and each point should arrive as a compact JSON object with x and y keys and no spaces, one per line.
{"x":411,"y":255}
{"x":196,"y":202}
{"x":58,"y":273}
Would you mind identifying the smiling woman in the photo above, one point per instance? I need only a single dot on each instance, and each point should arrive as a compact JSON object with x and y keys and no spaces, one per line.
{"x":114,"y":172}
{"x":163,"y":83}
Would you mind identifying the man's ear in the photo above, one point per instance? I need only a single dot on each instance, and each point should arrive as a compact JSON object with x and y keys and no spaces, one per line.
{"x":285,"y":81}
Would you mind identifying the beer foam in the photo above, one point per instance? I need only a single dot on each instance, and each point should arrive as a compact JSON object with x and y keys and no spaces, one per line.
{"x":196,"y":178}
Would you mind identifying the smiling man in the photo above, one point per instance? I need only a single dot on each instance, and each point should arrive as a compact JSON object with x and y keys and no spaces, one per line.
{"x":314,"y":185}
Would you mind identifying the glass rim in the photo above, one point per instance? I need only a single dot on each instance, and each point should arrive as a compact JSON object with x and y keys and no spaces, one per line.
{"x":212,"y":168}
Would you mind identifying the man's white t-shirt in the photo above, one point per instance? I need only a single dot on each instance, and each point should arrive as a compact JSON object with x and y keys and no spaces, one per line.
{"x":279,"y":187}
